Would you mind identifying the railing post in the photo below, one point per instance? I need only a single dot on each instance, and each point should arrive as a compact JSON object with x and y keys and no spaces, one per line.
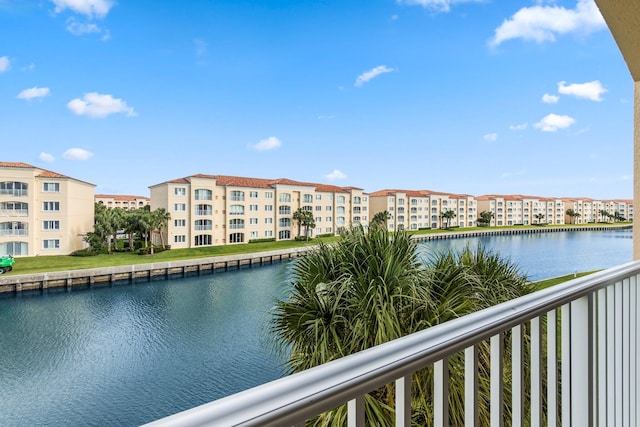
{"x":441,"y":393}
{"x":355,"y":416}
{"x":517,"y":379}
{"x":497,"y":383}
{"x":581,"y":399}
{"x":471,"y":386}
{"x":535,"y":370}
{"x":403,"y":401}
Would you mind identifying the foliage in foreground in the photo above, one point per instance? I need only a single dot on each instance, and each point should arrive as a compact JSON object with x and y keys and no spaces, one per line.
{"x":368,"y":289}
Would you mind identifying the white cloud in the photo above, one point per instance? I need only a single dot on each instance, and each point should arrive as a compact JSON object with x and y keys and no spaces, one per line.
{"x":543,"y":23}
{"x":78,"y":29}
{"x":590,"y":90}
{"x":4,"y":64}
{"x":89,"y":8}
{"x":34,"y":92}
{"x":46,"y":157}
{"x":77,"y":154}
{"x":270,"y":143}
{"x":554,"y":122}
{"x":97,"y":105}
{"x":437,"y":5}
{"x":550,"y":99}
{"x":521,"y":126}
{"x":372,"y":73}
{"x":335,"y":175}
{"x":491,"y":137}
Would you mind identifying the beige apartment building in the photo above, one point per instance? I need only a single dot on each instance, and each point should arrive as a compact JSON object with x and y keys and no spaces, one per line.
{"x":589,"y":210}
{"x":209,"y":210}
{"x":42,"y":212}
{"x":418,"y":209}
{"x":124,"y":202}
{"x":522,"y":210}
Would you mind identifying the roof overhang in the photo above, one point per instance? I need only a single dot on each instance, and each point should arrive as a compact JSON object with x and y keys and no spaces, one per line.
{"x":623,"y":19}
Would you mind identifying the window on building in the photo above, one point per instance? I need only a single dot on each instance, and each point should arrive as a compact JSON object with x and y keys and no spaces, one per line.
{"x":268,"y":208}
{"x":237,"y":196}
{"x":236,"y":237}
{"x":253,"y":235}
{"x":340,"y":199}
{"x":51,"y":225}
{"x":268,"y":233}
{"x":318,"y":208}
{"x":253,"y":194}
{"x":179,"y":191}
{"x":202,"y":240}
{"x":204,"y":194}
{"x":268,"y":220}
{"x":307,"y":198}
{"x":284,"y":198}
{"x":268,"y":195}
{"x":204,"y":209}
{"x":253,"y":208}
{"x":284,"y":222}
{"x":357,"y":200}
{"x":236,"y":223}
{"x":179,"y":207}
{"x":284,"y":210}
{"x":179,"y":223}
{"x":203,"y":224}
{"x":284,"y":234}
{"x":51,"y":206}
{"x":49,"y":187}
{"x":340,"y":210}
{"x":253,"y":221}
{"x":236,"y":210}
{"x":329,"y":219}
{"x":180,"y":238}
{"x":51,"y":244}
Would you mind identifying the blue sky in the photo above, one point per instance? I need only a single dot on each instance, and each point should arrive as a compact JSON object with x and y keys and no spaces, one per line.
{"x":461,"y":96}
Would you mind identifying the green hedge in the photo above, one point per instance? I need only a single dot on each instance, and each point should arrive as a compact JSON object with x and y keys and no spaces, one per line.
{"x":268,"y":239}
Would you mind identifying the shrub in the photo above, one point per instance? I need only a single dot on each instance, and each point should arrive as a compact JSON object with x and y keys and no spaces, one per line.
{"x":85,"y":252}
{"x":265,"y":240}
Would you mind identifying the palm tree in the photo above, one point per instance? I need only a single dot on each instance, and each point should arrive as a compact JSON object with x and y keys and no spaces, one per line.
{"x":160,"y":219}
{"x":604,"y":214}
{"x":539,"y":217}
{"x":381,"y":218}
{"x":448,"y":215}
{"x":572,"y":214}
{"x":485,"y":218}
{"x":305,"y":219}
{"x":367,"y":289}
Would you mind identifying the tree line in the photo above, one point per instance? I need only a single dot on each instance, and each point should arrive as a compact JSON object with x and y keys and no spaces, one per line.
{"x":137,"y":224}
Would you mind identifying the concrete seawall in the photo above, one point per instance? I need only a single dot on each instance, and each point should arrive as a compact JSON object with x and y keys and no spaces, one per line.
{"x":183,"y":268}
{"x":145,"y":272}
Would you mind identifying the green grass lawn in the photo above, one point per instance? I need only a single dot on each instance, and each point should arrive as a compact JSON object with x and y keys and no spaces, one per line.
{"x":542,"y":284}
{"x":40,"y":264}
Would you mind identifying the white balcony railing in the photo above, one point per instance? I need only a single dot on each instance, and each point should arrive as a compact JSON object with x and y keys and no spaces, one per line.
{"x":588,"y":354}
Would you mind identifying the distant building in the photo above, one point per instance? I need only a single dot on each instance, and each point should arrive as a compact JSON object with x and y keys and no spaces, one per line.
{"x":42,"y":212}
{"x":210,"y":210}
{"x":518,"y":209}
{"x":419,"y":209}
{"x":124,"y":202}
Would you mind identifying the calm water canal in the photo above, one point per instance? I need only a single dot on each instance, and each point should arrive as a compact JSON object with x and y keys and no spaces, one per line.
{"x":132,"y":353}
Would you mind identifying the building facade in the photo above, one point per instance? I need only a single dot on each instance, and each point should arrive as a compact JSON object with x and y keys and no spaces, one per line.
{"x":422,"y":209}
{"x":211,"y":210}
{"x":124,"y":202}
{"x":42,"y":212}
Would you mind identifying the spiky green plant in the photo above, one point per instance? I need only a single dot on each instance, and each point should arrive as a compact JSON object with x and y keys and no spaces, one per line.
{"x":371,"y":287}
